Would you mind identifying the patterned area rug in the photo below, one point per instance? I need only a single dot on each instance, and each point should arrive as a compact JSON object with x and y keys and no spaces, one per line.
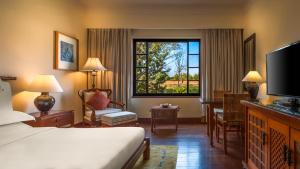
{"x":161,"y":157}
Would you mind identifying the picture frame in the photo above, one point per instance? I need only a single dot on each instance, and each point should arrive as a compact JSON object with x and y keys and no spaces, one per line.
{"x":66,"y":52}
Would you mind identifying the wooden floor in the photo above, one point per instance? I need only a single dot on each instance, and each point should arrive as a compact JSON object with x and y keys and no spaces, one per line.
{"x":194,"y":151}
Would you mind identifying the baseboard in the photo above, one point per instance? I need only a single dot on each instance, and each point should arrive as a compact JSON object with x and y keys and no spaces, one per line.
{"x":181,"y":120}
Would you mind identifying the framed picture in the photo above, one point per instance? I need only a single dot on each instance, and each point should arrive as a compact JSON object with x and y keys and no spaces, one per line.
{"x":66,"y":52}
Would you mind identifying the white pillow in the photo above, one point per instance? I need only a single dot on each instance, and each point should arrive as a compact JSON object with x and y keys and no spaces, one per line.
{"x":14,"y":117}
{"x":7,"y":115}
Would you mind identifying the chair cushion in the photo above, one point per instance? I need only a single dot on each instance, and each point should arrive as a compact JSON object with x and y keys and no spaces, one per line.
{"x":220,"y":116}
{"x":98,"y":101}
{"x":88,"y":95}
{"x":118,"y":118}
{"x":99,"y":113}
{"x":218,"y":110}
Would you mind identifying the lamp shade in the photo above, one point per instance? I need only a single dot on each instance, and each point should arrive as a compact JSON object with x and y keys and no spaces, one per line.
{"x":45,"y":83}
{"x":253,"y":76}
{"x":93,"y":64}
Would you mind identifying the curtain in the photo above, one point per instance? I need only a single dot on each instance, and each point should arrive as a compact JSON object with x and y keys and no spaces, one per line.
{"x":221,"y":61}
{"x":113,"y":47}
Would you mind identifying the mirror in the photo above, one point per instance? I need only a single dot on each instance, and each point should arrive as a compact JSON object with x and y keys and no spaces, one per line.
{"x":249,"y":53}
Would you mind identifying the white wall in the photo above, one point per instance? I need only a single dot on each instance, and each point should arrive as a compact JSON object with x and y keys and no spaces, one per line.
{"x":276,"y":23}
{"x":27,"y":44}
{"x":164,"y":16}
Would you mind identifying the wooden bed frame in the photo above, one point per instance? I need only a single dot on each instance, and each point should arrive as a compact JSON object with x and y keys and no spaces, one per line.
{"x":144,"y":149}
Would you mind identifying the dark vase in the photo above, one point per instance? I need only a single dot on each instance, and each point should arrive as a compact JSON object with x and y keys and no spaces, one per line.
{"x":44,"y":102}
{"x":253,"y":90}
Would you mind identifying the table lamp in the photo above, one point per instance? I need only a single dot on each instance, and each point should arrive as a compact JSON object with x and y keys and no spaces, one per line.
{"x":93,"y":65}
{"x":252,"y":79}
{"x":44,"y":84}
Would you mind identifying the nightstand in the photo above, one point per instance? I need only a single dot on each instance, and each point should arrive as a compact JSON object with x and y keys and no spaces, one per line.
{"x":54,"y":118}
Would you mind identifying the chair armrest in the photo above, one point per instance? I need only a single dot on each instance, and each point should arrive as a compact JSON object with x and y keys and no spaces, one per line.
{"x":93,"y":116}
{"x":90,"y":107}
{"x":122,"y":105}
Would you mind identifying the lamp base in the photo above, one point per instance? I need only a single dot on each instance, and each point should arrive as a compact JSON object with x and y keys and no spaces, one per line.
{"x":44,"y":102}
{"x":94,"y":75}
{"x":253,"y":90}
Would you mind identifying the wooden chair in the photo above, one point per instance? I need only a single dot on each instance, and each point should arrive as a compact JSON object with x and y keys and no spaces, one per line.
{"x":232,"y":117}
{"x":219,"y":94}
{"x":92,"y":116}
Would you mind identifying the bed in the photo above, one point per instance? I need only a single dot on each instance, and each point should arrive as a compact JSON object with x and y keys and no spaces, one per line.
{"x":26,"y":147}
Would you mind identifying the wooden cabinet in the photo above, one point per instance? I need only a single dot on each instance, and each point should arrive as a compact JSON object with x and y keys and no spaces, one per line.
{"x":159,"y":114}
{"x":272,"y":138}
{"x":53,"y":119}
{"x":257,"y":144}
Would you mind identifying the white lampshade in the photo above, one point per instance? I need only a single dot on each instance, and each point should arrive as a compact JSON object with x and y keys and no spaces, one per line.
{"x":45,"y":83}
{"x":253,"y":76}
{"x":93,"y":64}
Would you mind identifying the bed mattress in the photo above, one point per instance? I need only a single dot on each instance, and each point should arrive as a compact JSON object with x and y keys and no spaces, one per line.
{"x":22,"y":146}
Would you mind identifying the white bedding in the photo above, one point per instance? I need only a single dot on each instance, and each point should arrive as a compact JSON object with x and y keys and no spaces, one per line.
{"x":25,"y":147}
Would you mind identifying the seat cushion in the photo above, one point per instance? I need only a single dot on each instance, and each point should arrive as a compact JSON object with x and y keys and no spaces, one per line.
{"x":100,"y":113}
{"x":118,"y":118}
{"x":98,"y":101}
{"x":218,"y":110}
{"x":220,"y":116}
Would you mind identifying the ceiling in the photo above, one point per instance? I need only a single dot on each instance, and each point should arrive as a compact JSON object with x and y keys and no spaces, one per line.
{"x":162,"y":2}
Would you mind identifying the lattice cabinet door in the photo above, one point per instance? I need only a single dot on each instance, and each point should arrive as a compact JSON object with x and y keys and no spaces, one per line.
{"x":294,"y":152}
{"x":278,"y":144}
{"x":257,"y":140}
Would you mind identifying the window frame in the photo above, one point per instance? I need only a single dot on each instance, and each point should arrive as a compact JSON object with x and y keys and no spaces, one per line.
{"x":134,"y":81}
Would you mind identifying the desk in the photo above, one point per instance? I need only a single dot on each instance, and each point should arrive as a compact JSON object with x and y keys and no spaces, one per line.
{"x":211,"y":103}
{"x":159,"y":113}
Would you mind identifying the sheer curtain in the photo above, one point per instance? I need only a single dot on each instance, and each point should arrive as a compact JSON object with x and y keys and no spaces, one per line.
{"x":113,"y":47}
{"x":221,"y":61}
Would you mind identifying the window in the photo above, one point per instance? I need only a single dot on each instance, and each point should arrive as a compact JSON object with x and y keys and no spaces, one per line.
{"x":166,"y":67}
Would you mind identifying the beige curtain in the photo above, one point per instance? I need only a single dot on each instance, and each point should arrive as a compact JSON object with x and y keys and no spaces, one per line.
{"x":113,"y":47}
{"x":221,"y":61}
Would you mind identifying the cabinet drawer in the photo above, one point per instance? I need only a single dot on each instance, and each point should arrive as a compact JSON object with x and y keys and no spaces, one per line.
{"x":166,"y":115}
{"x":64,"y":120}
{"x":58,"y":121}
{"x":49,"y":122}
{"x":54,"y":118}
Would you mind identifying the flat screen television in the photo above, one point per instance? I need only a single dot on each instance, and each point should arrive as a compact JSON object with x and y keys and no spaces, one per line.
{"x":283,"y":71}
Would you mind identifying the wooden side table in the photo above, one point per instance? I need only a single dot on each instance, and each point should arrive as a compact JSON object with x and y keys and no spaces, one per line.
{"x":54,"y":118}
{"x":159,"y":113}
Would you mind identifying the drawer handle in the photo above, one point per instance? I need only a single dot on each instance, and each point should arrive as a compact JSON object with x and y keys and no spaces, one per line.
{"x":285,"y":153}
{"x":289,"y":157}
{"x":264,"y":136}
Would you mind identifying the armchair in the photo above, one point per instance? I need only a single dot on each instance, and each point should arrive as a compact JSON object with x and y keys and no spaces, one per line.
{"x":92,"y":116}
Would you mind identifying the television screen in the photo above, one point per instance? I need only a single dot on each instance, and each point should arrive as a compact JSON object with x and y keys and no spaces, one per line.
{"x":283,"y":71}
